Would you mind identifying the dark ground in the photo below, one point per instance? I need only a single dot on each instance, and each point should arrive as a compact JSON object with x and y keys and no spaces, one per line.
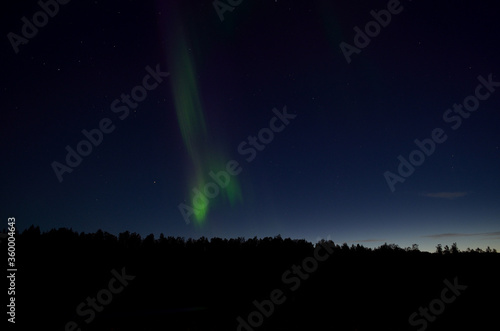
{"x":207,"y":284}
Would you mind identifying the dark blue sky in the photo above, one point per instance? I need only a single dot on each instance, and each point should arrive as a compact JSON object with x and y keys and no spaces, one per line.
{"x":322,"y":176}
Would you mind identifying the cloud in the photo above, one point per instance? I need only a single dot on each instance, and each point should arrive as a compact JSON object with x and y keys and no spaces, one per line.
{"x":445,"y":195}
{"x":448,"y":235}
{"x":369,"y":240}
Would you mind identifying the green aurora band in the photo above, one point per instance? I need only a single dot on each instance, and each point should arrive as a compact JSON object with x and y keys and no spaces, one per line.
{"x":204,"y":156}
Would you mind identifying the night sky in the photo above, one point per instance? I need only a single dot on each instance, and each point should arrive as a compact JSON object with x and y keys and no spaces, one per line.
{"x":308,"y":114}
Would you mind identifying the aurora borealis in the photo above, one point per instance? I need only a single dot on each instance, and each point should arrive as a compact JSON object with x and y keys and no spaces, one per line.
{"x":204,"y":153}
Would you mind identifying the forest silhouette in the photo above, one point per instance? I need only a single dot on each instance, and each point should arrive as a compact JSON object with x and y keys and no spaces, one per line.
{"x":214,"y":284}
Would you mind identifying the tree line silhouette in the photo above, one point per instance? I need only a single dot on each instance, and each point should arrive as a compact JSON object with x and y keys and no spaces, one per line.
{"x":128,"y":240}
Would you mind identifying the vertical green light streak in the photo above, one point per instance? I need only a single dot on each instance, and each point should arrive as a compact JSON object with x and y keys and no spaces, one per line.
{"x":191,"y":120}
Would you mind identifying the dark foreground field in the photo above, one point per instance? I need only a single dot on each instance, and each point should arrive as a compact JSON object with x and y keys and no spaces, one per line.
{"x":67,"y":281}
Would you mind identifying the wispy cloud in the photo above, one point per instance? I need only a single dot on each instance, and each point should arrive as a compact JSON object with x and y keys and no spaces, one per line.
{"x":448,"y":235}
{"x":369,"y":240}
{"x":445,"y":195}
